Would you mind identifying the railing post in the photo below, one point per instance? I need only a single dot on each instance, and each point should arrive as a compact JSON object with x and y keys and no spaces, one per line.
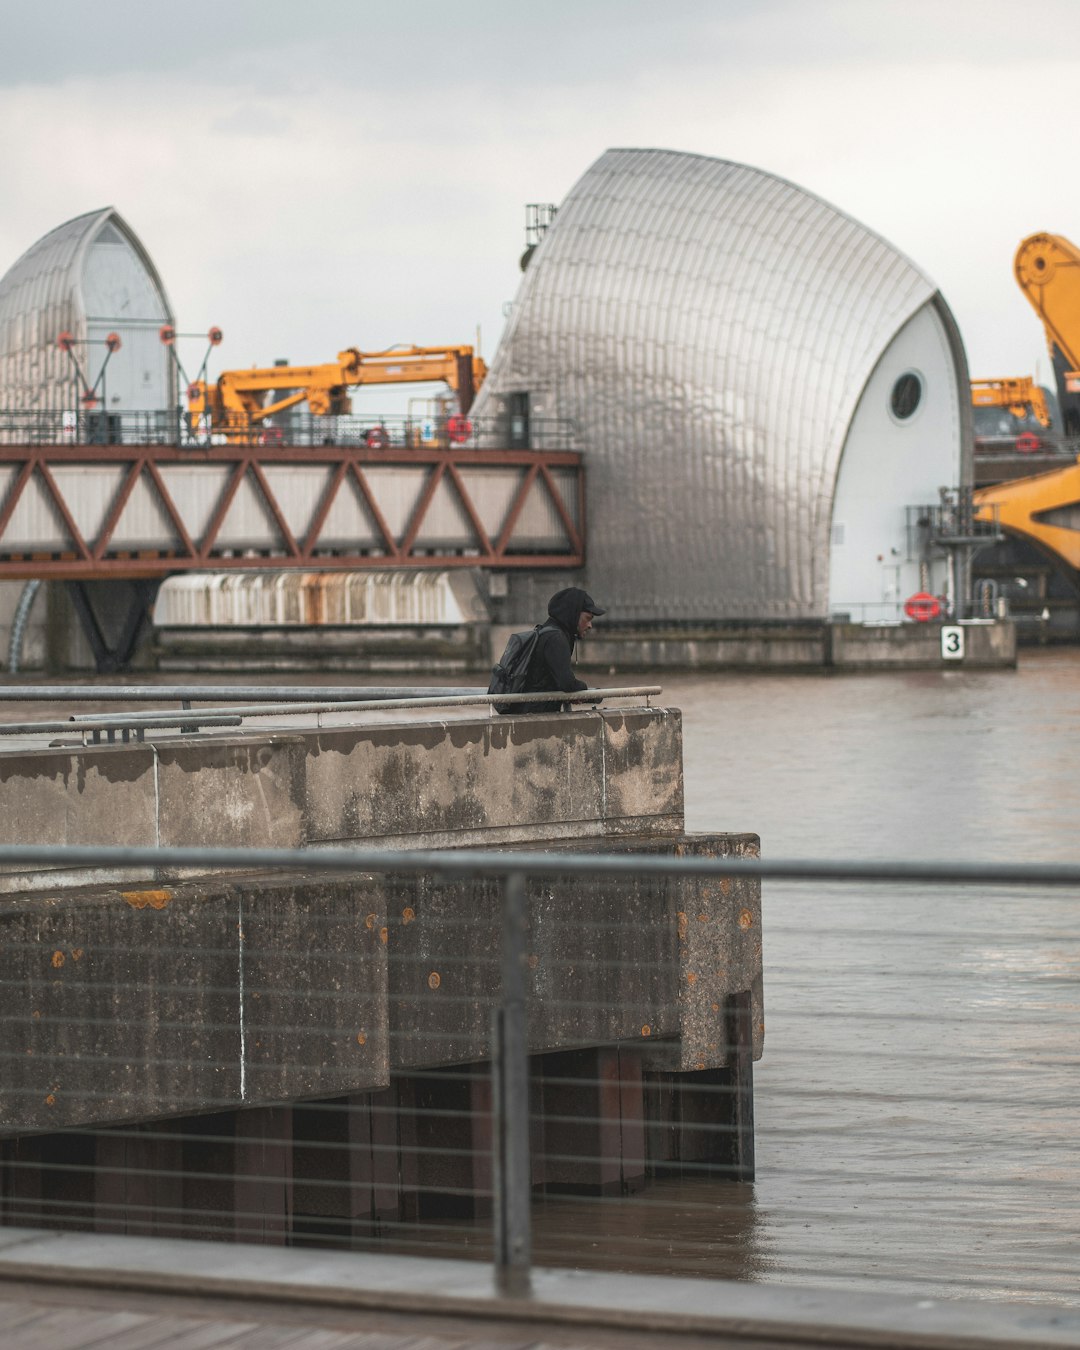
{"x":511,"y":1167}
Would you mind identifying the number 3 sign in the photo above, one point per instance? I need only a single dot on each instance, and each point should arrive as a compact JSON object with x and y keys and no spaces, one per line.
{"x":952,"y":643}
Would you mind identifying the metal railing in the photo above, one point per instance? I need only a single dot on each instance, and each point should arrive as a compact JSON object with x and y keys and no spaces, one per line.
{"x":523,"y":878}
{"x":376,"y":431}
{"x":134,"y":725}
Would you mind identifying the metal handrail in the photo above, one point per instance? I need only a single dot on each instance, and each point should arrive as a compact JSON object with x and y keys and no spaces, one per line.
{"x":511,"y":1164}
{"x":217,"y":693}
{"x":190,"y":721}
{"x":136,"y":719}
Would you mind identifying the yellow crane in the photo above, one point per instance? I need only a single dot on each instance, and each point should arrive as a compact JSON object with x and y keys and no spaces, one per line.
{"x":1045,"y":507}
{"x":1021,"y":395}
{"x":239,"y":400}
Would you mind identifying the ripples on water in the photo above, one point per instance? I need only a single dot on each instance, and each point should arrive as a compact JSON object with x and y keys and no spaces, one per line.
{"x":918,"y":1100}
{"x":917,"y":1105}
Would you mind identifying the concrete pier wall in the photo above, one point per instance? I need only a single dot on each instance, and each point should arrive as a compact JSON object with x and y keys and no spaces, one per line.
{"x":283,"y":1053}
{"x":211,"y":994}
{"x":482,"y":782}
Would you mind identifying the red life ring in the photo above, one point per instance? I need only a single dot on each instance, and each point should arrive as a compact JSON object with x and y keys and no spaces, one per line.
{"x":458,"y":428}
{"x":922,"y":607}
{"x":376,"y":438}
{"x":1027,"y":441}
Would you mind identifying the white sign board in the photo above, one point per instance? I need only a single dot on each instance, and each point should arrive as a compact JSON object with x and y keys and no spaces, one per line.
{"x":952,"y":643}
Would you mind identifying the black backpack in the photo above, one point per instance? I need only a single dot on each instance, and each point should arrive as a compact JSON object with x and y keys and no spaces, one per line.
{"x":510,"y":672}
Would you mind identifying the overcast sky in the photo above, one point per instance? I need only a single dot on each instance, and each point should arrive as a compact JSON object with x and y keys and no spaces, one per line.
{"x":342,"y":173}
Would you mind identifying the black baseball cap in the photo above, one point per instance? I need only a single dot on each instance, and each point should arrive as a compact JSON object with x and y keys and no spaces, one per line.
{"x":589,"y":606}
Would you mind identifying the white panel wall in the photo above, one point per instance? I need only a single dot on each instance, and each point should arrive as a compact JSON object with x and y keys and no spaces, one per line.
{"x":889,"y":464}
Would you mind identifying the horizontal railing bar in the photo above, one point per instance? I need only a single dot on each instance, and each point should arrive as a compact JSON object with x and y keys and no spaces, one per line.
{"x":216,"y":693}
{"x":120,"y":722}
{"x":137,"y":719}
{"x":494,"y":863}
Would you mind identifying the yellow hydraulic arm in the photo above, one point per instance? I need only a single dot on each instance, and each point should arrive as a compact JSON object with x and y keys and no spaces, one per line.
{"x":1021,"y":396}
{"x":1047,"y":268}
{"x":1045,"y":508}
{"x":239,"y":396}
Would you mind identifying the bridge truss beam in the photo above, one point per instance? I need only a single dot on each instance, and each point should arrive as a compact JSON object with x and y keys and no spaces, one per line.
{"x":100,"y":512}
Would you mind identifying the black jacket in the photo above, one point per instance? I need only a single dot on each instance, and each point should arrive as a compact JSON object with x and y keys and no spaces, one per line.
{"x":550,"y":666}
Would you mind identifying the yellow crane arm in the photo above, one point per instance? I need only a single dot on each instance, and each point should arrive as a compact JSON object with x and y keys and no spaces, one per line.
{"x":1020,"y":395}
{"x":1044,"y":508}
{"x":242,"y":394}
{"x":1047,"y":268}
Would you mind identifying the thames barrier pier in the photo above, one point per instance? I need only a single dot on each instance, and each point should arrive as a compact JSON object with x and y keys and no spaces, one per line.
{"x":302,"y":1052}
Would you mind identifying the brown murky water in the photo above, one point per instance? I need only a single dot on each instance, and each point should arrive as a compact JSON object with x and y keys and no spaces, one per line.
{"x":918,"y":1104}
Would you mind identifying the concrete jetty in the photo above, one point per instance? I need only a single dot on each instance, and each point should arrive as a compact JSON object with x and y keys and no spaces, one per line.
{"x":331,"y":1034}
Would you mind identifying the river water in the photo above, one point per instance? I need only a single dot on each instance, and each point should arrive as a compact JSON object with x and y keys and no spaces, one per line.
{"x":918,"y":1103}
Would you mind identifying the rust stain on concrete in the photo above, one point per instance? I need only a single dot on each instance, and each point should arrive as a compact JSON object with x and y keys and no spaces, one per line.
{"x":682,"y":924}
{"x":57,"y":960}
{"x":384,"y":936}
{"x":146,"y":899}
{"x":369,"y":922}
{"x":434,"y":980}
{"x":746,"y":919}
{"x":361,"y":1039}
{"x":408,"y":914}
{"x":646,"y":1030}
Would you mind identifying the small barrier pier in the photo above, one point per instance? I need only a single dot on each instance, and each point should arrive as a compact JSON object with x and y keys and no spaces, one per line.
{"x":265,"y":1003}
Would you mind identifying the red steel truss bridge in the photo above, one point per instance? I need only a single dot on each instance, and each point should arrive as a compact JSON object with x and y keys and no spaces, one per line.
{"x":101,"y":512}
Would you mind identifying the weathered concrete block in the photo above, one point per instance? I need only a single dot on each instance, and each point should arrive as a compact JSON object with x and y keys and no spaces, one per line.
{"x":60,"y":797}
{"x":480,"y":781}
{"x":129,"y":1004}
{"x":210,"y":994}
{"x":917,"y":646}
{"x":232,"y":793}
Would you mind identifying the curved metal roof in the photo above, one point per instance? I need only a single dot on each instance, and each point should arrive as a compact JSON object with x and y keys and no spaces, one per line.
{"x":42,"y":294}
{"x":709,"y":328}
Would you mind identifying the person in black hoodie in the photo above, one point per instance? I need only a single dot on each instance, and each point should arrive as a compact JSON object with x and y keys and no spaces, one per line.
{"x":570,"y":615}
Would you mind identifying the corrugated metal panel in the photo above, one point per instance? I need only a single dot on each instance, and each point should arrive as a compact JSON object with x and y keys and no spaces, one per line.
{"x":709,"y":328}
{"x":89,"y":276}
{"x":345,"y":599}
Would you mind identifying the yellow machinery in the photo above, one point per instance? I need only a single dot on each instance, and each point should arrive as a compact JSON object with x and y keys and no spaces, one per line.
{"x":1021,"y":396}
{"x":237,"y":402}
{"x":1045,"y":507}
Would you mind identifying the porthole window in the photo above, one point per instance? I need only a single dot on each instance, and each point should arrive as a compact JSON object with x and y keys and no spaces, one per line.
{"x":906,"y":395}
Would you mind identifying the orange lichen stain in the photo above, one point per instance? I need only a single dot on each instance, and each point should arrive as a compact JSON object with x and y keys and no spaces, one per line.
{"x":408,"y":914}
{"x":716,"y":1007}
{"x":646,"y":1030}
{"x":533,"y":961}
{"x":76,"y":955}
{"x":701,"y":1063}
{"x":57,"y":960}
{"x":36,"y":1012}
{"x":703,"y":918}
{"x":682,"y":923}
{"x":434,"y":980}
{"x":369,"y":922}
{"x":691,"y":977}
{"x":50,"y":1100}
{"x":384,"y":936}
{"x":746,"y":919}
{"x":361,"y":1039}
{"x":146,"y":899}
{"x":725,"y":885}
